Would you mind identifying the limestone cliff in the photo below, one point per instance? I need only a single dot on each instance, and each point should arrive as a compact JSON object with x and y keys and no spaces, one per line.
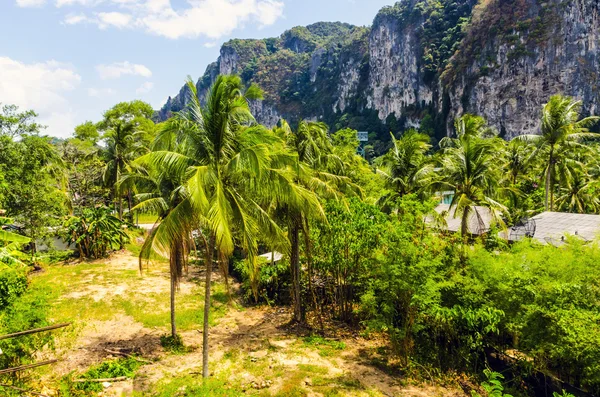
{"x":421,"y":64}
{"x":538,"y":49}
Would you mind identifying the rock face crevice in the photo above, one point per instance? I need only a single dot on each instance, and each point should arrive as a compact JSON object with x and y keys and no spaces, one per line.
{"x":423,"y":62}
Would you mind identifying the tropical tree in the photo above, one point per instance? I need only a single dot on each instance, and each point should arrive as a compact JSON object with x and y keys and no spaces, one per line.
{"x":15,"y":123}
{"x":577,"y":194}
{"x":120,"y":152}
{"x":228,"y":165}
{"x":128,"y":130}
{"x":561,"y":128}
{"x":406,"y":167}
{"x":33,"y":187}
{"x":518,"y":161}
{"x":468,"y":169}
{"x":320,"y":171}
{"x":517,"y":167}
{"x":162,"y":192}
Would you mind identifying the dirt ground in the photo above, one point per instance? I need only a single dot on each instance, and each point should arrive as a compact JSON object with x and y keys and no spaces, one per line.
{"x":252,"y":347}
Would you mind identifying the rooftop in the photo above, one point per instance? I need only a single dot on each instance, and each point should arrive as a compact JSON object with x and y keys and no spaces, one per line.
{"x":551,"y":227}
{"x":479,"y":220}
{"x":547,"y":227}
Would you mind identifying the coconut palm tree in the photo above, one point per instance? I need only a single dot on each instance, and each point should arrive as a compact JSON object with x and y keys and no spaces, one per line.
{"x":562,"y":128}
{"x":406,"y":167}
{"x":120,"y":150}
{"x":517,"y":166}
{"x":469,"y":170}
{"x":320,"y":172}
{"x":577,"y":194}
{"x":226,"y":158}
{"x":518,"y":161}
{"x":163,"y":192}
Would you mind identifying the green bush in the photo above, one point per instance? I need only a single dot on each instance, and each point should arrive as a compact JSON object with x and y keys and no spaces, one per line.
{"x":107,"y":369}
{"x":270,"y":282}
{"x":26,"y":312}
{"x":172,"y":343}
{"x":13,"y":283}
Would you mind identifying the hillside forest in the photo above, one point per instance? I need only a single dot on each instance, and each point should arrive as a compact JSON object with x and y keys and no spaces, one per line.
{"x":362,"y":250}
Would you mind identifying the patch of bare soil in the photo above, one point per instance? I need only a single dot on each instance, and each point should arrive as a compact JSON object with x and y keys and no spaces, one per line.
{"x":263,"y":333}
{"x":99,"y":340}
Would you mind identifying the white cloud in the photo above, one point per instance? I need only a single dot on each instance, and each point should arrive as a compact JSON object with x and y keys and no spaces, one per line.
{"x":41,"y":87}
{"x":207,"y":18}
{"x":61,"y":3}
{"x":118,"y":69}
{"x":268,"y":12}
{"x":100,"y":92}
{"x":211,"y":18}
{"x":72,"y":19}
{"x":31,"y":3}
{"x":116,"y":19}
{"x":210,"y":44}
{"x":145,"y":88}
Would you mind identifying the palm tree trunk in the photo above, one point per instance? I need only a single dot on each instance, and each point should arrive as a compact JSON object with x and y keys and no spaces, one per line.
{"x":209,"y":265}
{"x":548,"y":203}
{"x":173,"y":326}
{"x":129,"y":205}
{"x":118,"y":204}
{"x":120,"y":207}
{"x":176,"y":266}
{"x":464,"y":223}
{"x":310,"y":274}
{"x":299,"y":312}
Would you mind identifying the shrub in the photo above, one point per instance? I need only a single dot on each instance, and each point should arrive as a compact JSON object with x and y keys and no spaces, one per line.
{"x":13,"y":283}
{"x":268,"y":282}
{"x":105,"y":370}
{"x":172,"y":343}
{"x":25,"y":312}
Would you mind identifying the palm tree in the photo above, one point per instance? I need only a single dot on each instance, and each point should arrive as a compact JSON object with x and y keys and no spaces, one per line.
{"x":120,"y":151}
{"x":561,"y":128}
{"x":319,"y":171}
{"x":468,"y":167}
{"x":226,"y":158}
{"x":162,"y":192}
{"x":577,"y":194}
{"x":406,"y":167}
{"x":518,"y":159}
{"x":517,"y":166}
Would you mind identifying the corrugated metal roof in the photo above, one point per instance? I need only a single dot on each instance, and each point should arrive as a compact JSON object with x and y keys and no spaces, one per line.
{"x":550,"y":227}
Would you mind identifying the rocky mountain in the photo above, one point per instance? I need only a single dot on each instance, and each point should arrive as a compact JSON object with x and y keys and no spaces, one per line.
{"x":421,"y":64}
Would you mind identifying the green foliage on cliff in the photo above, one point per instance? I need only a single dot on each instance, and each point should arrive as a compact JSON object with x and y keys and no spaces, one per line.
{"x":441,"y":27}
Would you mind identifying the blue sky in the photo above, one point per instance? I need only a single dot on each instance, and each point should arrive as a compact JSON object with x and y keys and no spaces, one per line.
{"x":70,"y":60}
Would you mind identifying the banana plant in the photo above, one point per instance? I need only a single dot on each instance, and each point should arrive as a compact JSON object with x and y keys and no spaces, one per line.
{"x":9,"y":243}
